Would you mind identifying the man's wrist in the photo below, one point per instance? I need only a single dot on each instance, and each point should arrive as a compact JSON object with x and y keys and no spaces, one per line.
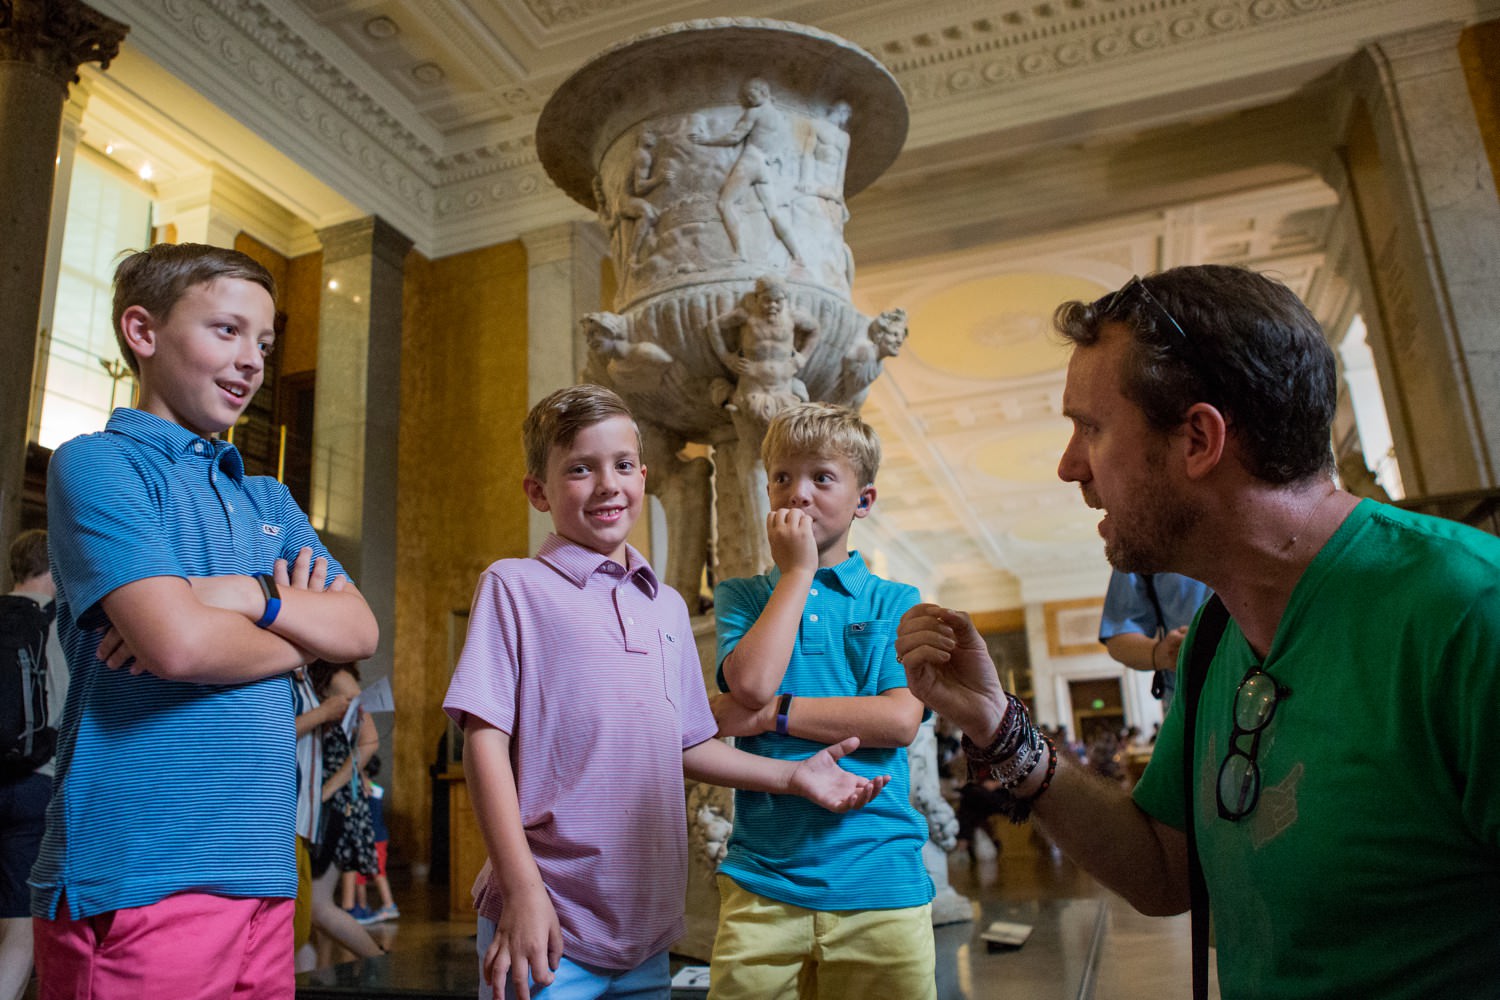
{"x":983,"y":728}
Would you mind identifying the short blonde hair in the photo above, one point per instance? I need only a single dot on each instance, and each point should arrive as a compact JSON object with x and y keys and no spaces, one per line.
{"x":157,"y":277}
{"x":825,"y":430}
{"x":555,"y":421}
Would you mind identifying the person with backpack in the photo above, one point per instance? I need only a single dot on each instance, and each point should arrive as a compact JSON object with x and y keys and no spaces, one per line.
{"x":33,"y":686}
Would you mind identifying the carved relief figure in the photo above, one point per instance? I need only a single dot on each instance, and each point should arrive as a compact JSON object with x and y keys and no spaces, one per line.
{"x":765,"y":343}
{"x":644,"y":179}
{"x":634,"y":206}
{"x":861,"y":365}
{"x":824,"y":159}
{"x":765,"y":135}
{"x":615,"y":361}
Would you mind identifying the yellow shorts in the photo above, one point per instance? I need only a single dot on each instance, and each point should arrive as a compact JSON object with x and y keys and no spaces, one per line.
{"x":302,"y":916}
{"x":768,"y":950}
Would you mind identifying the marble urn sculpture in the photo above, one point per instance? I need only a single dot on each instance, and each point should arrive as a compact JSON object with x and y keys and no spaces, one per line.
{"x":718,"y":156}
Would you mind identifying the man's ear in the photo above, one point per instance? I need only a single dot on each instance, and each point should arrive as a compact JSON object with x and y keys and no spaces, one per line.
{"x":535,"y":493}
{"x":1205,"y":436}
{"x":139,"y":331}
{"x":866,"y":501}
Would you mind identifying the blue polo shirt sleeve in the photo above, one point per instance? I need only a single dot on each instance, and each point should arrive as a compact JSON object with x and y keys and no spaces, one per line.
{"x":891,"y":674}
{"x":110,"y":533}
{"x":737,"y":605}
{"x":1127,"y":609}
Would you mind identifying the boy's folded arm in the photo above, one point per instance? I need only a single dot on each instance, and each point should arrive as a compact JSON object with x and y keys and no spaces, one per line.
{"x":177,"y":637}
{"x":334,"y":624}
{"x":888,"y":719}
{"x":754,"y":668}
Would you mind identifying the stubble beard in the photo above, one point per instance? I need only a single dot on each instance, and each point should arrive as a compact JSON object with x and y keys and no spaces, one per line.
{"x":1158,"y":525}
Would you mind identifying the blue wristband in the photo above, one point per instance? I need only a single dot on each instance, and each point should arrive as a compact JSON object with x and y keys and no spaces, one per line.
{"x":782,"y":707}
{"x":273,"y":599}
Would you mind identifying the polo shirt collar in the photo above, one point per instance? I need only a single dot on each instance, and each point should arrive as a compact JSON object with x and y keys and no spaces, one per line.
{"x":173,"y":440}
{"x":851,"y":576}
{"x":579,"y":564}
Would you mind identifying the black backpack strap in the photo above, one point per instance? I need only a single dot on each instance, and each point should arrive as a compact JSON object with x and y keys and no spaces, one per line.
{"x":1205,"y":643}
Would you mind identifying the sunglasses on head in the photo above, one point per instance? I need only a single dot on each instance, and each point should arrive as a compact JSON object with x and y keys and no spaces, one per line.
{"x":1136,"y":287}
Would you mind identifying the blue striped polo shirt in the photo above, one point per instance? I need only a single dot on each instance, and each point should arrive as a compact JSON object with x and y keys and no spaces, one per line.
{"x":163,"y":786}
{"x":785,"y":847}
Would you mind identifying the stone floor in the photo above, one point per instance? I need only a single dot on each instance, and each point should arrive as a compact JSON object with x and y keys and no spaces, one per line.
{"x":1085,"y":943}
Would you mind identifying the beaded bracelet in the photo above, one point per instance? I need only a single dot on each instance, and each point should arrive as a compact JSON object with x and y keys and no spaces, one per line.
{"x":1015,"y":771}
{"x":1018,"y":810}
{"x":1007,"y":739}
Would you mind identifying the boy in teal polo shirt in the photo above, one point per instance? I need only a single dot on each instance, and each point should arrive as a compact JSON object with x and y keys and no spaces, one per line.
{"x":186,"y":592}
{"x":806,"y":657}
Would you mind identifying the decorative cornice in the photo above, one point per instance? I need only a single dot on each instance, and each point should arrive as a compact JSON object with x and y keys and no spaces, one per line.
{"x":507,"y":154}
{"x":555,"y":13}
{"x":58,"y":36}
{"x":243,"y":57}
{"x":295,"y":54}
{"x":1019,"y":48}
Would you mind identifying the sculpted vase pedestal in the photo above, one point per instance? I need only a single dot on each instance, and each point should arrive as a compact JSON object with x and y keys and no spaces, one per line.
{"x":718,"y":156}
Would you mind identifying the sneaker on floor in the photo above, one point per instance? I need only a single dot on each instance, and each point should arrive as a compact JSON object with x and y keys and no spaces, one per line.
{"x":387,"y":913}
{"x":362,"y":914}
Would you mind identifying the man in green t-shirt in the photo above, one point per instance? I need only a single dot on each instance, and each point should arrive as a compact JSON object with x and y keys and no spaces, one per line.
{"x":1346,"y":798}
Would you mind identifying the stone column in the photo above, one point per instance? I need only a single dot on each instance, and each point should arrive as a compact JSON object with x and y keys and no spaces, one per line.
{"x":355,"y":421}
{"x":563,"y":265}
{"x":1430,"y":223}
{"x":42,"y":44}
{"x":67,"y":149}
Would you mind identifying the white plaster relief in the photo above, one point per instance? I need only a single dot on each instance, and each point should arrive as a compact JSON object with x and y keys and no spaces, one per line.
{"x":555,"y":13}
{"x":1034,"y":51}
{"x":264,"y":27}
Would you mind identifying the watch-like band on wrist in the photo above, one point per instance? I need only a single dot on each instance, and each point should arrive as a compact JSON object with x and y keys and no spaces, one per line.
{"x":273,"y":599}
{"x":782,"y":706}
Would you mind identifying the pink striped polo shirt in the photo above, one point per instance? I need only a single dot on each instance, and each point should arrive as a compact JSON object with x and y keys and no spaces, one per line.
{"x":592,"y":669}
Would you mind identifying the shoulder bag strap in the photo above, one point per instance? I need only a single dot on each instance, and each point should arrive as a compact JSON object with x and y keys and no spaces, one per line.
{"x":1205,"y":643}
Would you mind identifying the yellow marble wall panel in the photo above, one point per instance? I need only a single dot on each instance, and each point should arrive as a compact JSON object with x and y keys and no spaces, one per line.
{"x":459,"y":505}
{"x":1479,"y":48}
{"x":299,"y":282}
{"x":301,"y":296}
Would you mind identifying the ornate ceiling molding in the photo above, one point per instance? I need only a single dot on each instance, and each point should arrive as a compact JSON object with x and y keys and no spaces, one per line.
{"x":561,"y":13}
{"x":963,"y":65}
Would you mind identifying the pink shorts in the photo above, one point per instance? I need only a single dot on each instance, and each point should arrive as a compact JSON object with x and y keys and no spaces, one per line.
{"x":191,"y":945}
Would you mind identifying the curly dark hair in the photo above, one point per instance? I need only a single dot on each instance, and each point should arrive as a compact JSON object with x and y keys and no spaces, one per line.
{"x":1233,"y":338}
{"x":321,"y":672}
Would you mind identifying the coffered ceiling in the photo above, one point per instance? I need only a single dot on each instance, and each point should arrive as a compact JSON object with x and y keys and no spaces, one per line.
{"x":1056,"y":147}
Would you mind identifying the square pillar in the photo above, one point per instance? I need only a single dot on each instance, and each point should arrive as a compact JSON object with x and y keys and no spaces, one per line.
{"x":356,"y":407}
{"x":563,"y":266}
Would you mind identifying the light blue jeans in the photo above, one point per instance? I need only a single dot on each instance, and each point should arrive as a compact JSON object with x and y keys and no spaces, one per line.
{"x":651,"y":980}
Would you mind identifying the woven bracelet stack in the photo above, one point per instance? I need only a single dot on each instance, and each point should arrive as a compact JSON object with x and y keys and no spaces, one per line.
{"x":1011,"y":758}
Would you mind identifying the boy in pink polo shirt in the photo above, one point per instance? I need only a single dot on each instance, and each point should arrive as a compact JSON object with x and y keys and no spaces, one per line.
{"x":583,"y":707}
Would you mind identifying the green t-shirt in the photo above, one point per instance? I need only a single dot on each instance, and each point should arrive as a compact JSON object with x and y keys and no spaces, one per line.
{"x":1371,"y":865}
